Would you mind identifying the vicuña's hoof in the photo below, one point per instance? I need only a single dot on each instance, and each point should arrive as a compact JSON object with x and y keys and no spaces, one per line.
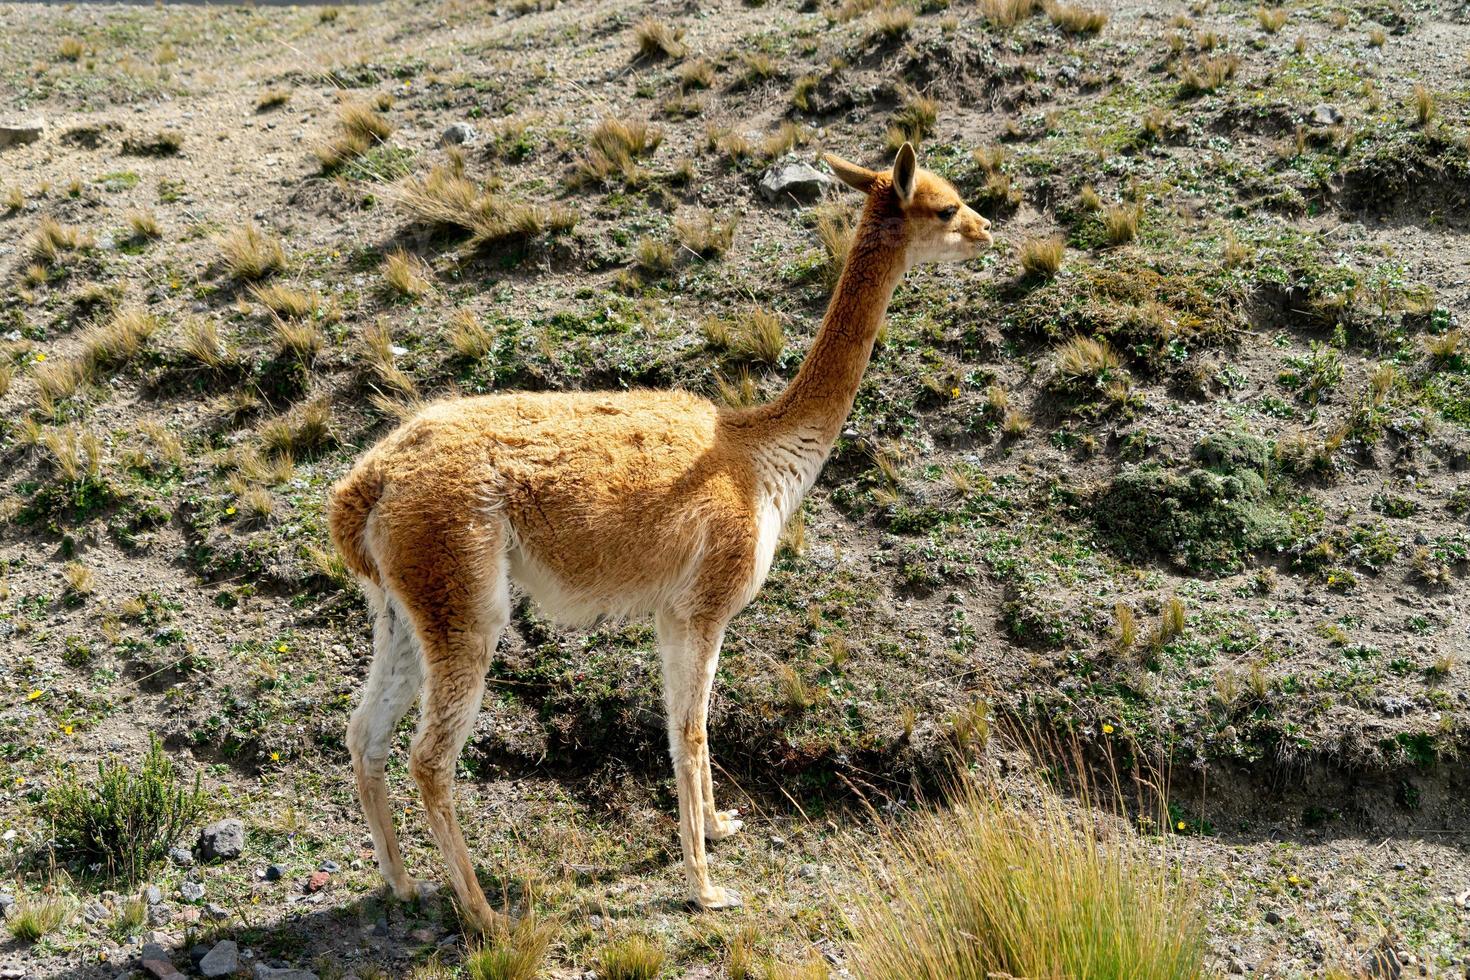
{"x":724,"y":823}
{"x":718,"y":898}
{"x":417,"y":888}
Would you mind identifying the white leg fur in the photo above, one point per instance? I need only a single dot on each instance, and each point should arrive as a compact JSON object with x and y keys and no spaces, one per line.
{"x":689,"y":657}
{"x":394,"y":679}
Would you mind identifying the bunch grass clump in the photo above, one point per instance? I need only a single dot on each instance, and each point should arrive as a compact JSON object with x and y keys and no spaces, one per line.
{"x":36,"y":916}
{"x":756,"y":336}
{"x":249,"y":256}
{"x":519,"y":954}
{"x":1076,"y":19}
{"x":614,"y":149}
{"x":445,"y":200}
{"x":360,"y":128}
{"x":124,"y":823}
{"x":1042,"y":257}
{"x":634,"y":958}
{"x":52,"y":240}
{"x":705,"y":235}
{"x":988,"y":888}
{"x":657,"y":40}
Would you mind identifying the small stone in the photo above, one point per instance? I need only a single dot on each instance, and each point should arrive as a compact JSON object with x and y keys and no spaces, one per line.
{"x":275,"y":872}
{"x":223,"y":840}
{"x":1273,"y":917}
{"x":152,"y":894}
{"x":181,"y":856}
{"x":21,"y":131}
{"x":216,"y":912}
{"x":263,"y":972}
{"x":807,"y":871}
{"x":1326,"y":115}
{"x":791,"y":178}
{"x":424,"y":934}
{"x":458,"y":134}
{"x":155,"y":961}
{"x":317,"y":881}
{"x":330,"y":867}
{"x":191,"y":891}
{"x":222,"y":960}
{"x":1382,"y":963}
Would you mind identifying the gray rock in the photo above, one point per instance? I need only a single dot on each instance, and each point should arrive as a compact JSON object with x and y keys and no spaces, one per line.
{"x":330,"y":867}
{"x":19,"y":132}
{"x":1382,"y":963}
{"x":222,"y":960}
{"x":223,"y":840}
{"x":1273,"y":917}
{"x":215,"y":911}
{"x":152,"y":894}
{"x":191,"y":891}
{"x":275,"y":872}
{"x":263,"y":972}
{"x":1326,"y":115}
{"x":156,"y":962}
{"x":181,"y":856}
{"x":790,"y":178}
{"x":458,"y":134}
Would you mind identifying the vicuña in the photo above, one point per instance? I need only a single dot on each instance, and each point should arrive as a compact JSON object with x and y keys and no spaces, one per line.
{"x":603,"y":504}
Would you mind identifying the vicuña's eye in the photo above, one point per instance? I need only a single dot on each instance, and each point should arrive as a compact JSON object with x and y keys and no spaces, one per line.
{"x":947,"y":214}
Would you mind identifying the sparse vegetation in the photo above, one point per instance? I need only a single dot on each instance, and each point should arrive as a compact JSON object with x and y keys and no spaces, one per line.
{"x":127,"y":819}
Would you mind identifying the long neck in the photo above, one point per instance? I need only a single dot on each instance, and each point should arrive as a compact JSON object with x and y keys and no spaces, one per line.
{"x":820,"y":397}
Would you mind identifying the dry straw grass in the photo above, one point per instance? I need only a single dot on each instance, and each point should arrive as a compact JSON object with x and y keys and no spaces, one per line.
{"x":52,"y":240}
{"x":360,"y":128}
{"x":248,"y":255}
{"x":657,"y":40}
{"x":1078,"y":20}
{"x":1042,"y":257}
{"x":613,"y":151}
{"x":445,"y":200}
{"x":705,"y":235}
{"x":1041,"y":886}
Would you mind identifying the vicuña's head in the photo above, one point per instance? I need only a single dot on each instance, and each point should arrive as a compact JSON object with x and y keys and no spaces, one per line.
{"x":933,"y":224}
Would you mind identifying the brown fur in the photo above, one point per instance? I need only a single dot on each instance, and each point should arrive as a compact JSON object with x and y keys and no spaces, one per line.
{"x":645,"y":502}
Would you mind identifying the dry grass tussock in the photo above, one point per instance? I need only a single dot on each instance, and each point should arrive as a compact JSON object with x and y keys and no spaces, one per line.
{"x":446,"y":200}
{"x":613,"y":151}
{"x":993,"y":888}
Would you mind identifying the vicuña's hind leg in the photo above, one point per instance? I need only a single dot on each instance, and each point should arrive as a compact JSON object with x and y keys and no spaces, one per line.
{"x":393,"y":682}
{"x":453,"y":583}
{"x":689,"y":655}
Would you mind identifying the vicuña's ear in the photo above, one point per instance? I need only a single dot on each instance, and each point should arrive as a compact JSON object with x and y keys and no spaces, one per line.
{"x":858,"y":178}
{"x":905,"y":171}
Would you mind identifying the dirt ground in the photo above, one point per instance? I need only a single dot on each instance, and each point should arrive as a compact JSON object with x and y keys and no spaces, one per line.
{"x":1234,"y":540}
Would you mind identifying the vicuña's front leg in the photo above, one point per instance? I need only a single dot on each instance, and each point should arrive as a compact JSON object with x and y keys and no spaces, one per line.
{"x":718,"y":824}
{"x":689,"y":656}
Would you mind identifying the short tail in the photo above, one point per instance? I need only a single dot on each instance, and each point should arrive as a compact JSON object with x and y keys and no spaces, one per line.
{"x":351,"y":502}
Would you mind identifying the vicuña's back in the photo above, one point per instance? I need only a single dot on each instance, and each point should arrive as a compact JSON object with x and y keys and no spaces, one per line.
{"x":603,"y":504}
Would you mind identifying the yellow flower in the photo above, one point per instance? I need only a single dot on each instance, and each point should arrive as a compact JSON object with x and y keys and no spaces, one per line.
{"x":1107,"y":729}
{"x":34,"y":694}
{"x":20,"y":780}
{"x":954,"y":393}
{"x":1293,"y":880}
{"x":66,"y":729}
{"x":281,"y":648}
{"x":40,"y":358}
{"x":229,"y":512}
{"x":275,"y":757}
{"x":1181,"y":825}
